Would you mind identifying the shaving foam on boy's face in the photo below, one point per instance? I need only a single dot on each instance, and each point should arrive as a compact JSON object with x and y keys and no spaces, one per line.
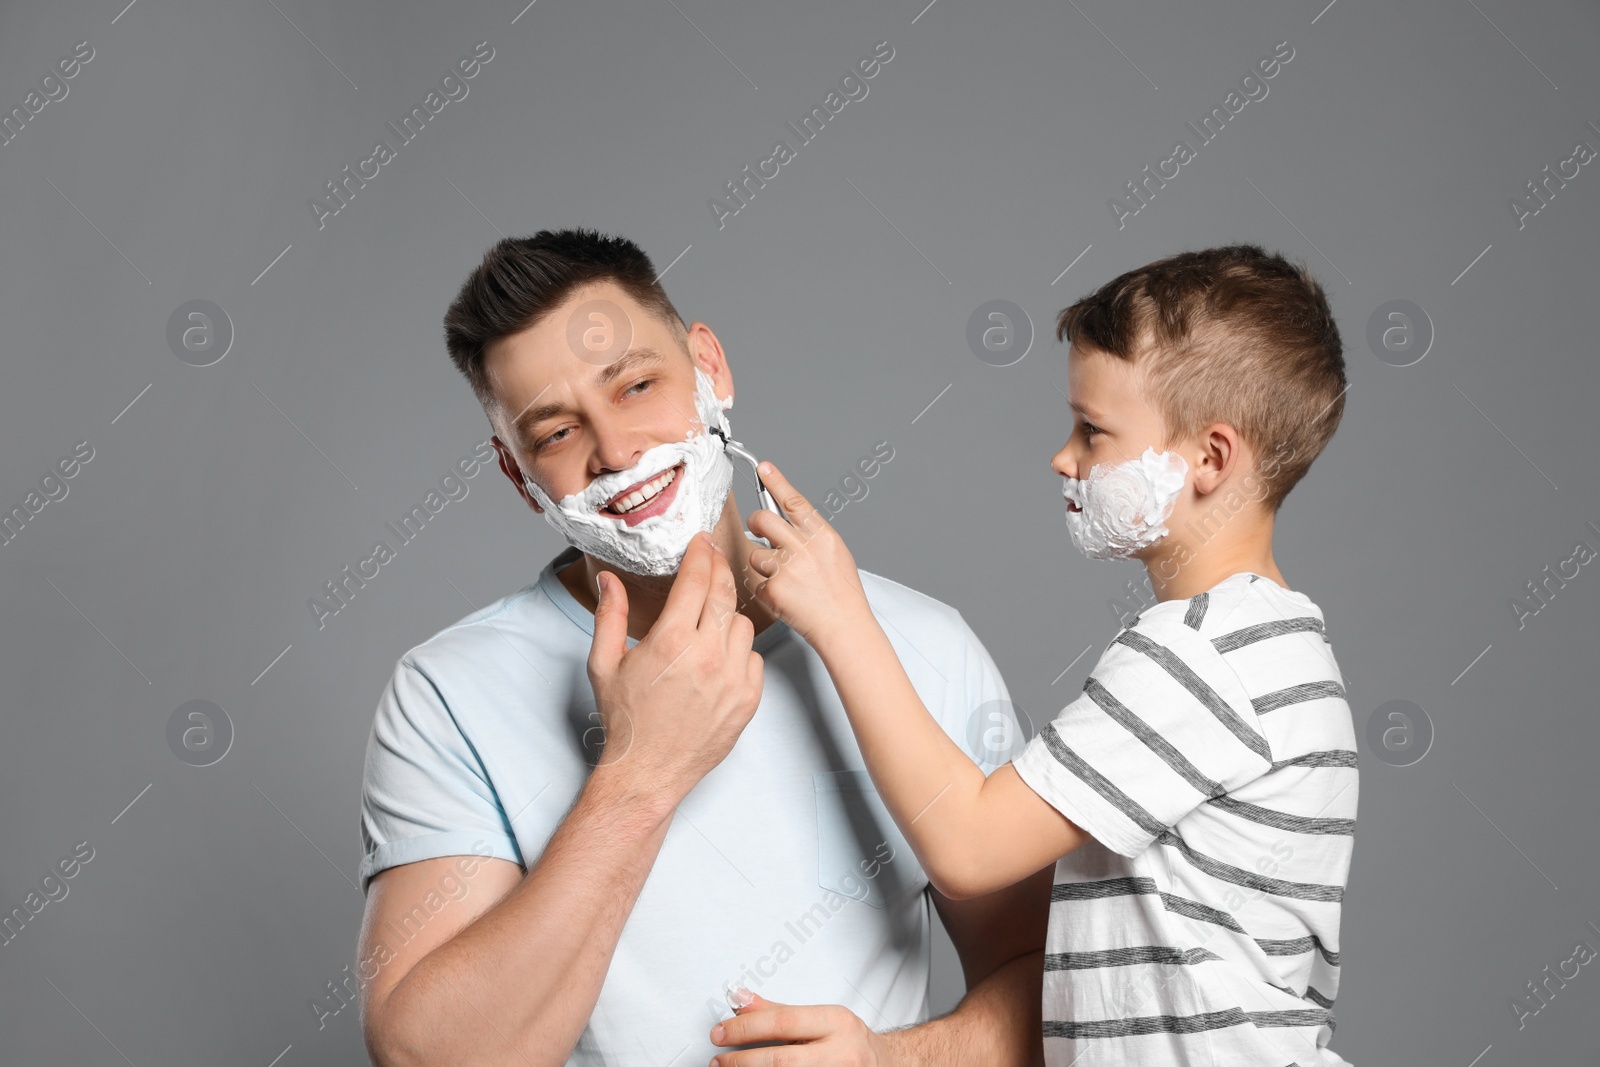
{"x":1122,"y":508}
{"x":679,"y":488}
{"x":1121,"y":505}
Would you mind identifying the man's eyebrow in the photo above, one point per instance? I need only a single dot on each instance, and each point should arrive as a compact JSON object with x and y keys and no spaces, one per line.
{"x":623,"y":363}
{"x":634,"y":357}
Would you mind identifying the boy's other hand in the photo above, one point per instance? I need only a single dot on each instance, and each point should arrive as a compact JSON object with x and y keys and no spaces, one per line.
{"x":674,"y":704}
{"x":808,"y":577}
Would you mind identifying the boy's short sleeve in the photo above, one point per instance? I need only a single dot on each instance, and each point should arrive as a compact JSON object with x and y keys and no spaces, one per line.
{"x":424,"y":792}
{"x":1162,"y":725}
{"x":987,"y":726}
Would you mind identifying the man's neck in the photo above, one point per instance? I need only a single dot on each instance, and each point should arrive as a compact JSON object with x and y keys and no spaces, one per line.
{"x":647,"y":595}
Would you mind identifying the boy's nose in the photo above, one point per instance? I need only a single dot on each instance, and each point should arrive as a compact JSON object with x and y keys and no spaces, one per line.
{"x":1063,"y":464}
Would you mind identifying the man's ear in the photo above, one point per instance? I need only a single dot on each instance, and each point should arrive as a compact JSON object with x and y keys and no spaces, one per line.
{"x":508,"y":464}
{"x":705,"y":352}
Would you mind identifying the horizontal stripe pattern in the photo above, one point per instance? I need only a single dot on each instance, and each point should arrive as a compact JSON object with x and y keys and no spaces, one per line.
{"x":1249,"y":635}
{"x":1297,"y":694}
{"x":1334,"y":758}
{"x":1184,"y":1024}
{"x":1300,"y":824}
{"x":1124,"y":957}
{"x":1294,"y":946}
{"x":1212,"y":758}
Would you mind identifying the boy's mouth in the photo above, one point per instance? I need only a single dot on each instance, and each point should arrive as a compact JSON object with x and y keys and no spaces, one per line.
{"x":643,"y":499}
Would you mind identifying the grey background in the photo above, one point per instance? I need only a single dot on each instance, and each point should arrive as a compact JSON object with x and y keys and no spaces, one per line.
{"x":182,"y":161}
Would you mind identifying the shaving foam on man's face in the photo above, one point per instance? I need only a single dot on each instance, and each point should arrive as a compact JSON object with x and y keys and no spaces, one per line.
{"x":642,"y":519}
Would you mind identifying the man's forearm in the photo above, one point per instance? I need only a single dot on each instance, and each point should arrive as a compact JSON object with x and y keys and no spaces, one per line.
{"x":518,"y":985}
{"x":995,"y":1025}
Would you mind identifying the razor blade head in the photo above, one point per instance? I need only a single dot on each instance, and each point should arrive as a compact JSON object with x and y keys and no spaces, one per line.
{"x":763,"y":494}
{"x":734,"y":447}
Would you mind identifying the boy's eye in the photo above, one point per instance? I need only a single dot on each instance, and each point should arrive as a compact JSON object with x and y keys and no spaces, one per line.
{"x":635,"y":385}
{"x":1090,"y":429}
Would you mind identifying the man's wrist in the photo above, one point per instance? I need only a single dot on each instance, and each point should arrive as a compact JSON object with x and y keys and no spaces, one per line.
{"x":619,"y":787}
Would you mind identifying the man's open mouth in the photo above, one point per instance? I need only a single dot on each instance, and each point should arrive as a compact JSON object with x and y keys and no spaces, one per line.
{"x":646,"y":498}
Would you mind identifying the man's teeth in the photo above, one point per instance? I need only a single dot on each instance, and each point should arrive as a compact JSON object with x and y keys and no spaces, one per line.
{"x":641,"y":495}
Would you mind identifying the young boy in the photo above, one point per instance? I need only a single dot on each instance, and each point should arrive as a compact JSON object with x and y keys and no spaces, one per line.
{"x":1198,"y":799}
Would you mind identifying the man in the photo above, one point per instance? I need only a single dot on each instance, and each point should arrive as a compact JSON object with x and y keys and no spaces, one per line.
{"x":568,"y":860}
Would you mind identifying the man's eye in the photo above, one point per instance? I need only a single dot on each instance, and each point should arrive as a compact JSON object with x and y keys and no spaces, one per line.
{"x":553,"y":438}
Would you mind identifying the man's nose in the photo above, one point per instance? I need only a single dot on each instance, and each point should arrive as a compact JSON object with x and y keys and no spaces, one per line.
{"x":616,"y":447}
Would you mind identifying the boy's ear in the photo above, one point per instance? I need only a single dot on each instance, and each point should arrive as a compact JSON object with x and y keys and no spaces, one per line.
{"x":1216,"y":454}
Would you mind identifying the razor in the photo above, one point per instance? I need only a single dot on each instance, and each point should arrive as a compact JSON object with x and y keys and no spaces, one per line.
{"x":734,"y":448}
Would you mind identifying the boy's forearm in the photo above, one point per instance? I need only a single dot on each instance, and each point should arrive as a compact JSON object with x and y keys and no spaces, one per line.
{"x":928,"y":783}
{"x":997,"y":1023}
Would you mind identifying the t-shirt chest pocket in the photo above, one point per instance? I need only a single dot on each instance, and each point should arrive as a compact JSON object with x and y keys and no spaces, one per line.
{"x":860,"y":852}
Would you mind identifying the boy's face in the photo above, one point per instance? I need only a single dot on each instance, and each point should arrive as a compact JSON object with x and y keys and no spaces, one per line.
{"x":1112,"y":421}
{"x":1120,"y":487}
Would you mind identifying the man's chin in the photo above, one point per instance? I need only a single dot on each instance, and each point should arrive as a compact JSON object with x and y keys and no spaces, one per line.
{"x":629,"y":573}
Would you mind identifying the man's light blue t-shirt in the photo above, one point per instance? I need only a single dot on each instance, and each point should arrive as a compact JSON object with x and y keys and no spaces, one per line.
{"x":781,"y":870}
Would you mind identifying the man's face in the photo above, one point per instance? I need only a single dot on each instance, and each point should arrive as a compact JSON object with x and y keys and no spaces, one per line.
{"x":592,"y":386}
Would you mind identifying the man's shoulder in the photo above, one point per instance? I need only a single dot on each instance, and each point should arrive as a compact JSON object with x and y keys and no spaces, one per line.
{"x":901,"y":602}
{"x":482,"y":630}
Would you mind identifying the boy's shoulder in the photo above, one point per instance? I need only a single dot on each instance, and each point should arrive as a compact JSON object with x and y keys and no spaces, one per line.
{"x":1241,"y":609}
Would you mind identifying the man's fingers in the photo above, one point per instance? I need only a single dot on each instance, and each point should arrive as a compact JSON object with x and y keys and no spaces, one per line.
{"x":610,"y":627}
{"x":687,"y":596}
{"x":722,"y":599}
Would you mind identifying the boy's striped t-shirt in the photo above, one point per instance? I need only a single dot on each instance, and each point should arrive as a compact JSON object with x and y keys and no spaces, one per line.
{"x":1212,"y":758}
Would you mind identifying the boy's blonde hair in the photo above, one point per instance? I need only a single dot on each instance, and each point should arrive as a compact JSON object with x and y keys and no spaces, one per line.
{"x":1233,"y":335}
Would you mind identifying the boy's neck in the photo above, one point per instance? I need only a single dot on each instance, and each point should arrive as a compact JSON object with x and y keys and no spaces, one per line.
{"x":647,"y":594}
{"x":1179,"y":569}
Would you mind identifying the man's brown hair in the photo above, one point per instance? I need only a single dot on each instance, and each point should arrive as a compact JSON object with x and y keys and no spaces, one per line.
{"x":522,"y":279}
{"x":1233,"y":335}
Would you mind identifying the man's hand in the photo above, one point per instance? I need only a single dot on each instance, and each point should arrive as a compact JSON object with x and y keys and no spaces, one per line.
{"x":824,"y":1035}
{"x":674,"y":704}
{"x":811,"y":581}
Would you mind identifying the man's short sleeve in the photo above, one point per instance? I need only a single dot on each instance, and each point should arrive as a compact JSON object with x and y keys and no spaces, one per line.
{"x":1162,"y":725}
{"x":987,"y":727}
{"x":424,"y":792}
